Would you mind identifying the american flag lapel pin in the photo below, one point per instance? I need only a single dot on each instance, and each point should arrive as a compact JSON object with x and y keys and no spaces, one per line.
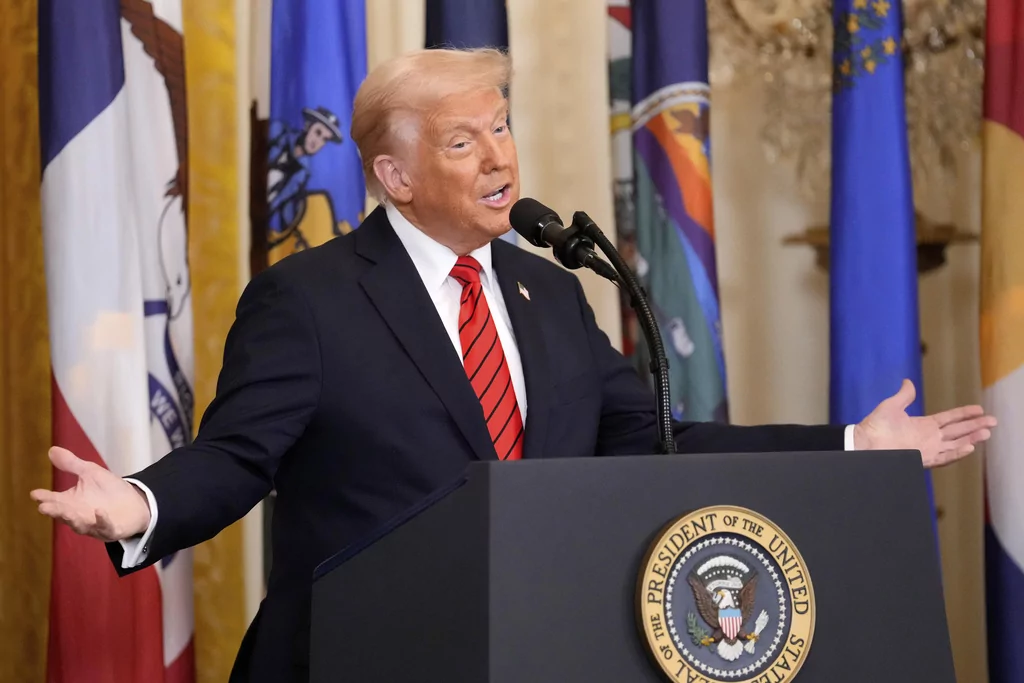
{"x":524,"y":291}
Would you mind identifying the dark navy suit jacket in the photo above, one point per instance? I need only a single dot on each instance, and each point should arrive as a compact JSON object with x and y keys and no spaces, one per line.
{"x":341,"y":390}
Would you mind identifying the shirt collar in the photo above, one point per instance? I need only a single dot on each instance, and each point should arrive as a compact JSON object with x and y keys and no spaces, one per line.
{"x":433,"y":260}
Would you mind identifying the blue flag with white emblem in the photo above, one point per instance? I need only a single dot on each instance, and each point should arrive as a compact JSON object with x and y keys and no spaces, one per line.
{"x":875,"y":332}
{"x":875,"y":336}
{"x":315,"y":184}
{"x":467,"y":23}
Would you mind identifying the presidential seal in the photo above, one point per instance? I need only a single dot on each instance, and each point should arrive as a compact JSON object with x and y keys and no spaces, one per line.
{"x":724,"y":596}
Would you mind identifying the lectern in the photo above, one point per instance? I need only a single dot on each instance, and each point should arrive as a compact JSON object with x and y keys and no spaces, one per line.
{"x":607,"y":570}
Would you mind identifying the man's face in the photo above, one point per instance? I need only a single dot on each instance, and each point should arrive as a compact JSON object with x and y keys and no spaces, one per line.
{"x":316,"y":137}
{"x":464,"y":173}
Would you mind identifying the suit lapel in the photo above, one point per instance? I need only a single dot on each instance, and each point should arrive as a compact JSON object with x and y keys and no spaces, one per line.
{"x":526,"y":326}
{"x":396,"y":290}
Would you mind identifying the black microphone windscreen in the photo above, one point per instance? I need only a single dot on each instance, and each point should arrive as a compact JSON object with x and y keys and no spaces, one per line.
{"x":529,"y":217}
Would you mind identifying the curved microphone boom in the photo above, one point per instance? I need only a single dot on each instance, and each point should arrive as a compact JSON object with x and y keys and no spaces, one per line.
{"x":574,"y":247}
{"x":542,"y":227}
{"x":655,"y":346}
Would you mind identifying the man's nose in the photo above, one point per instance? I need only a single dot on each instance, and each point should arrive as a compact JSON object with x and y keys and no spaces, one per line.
{"x":496,"y":155}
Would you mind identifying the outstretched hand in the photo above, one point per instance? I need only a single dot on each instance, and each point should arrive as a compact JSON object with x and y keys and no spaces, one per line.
{"x":101,"y":504}
{"x":942,"y":438}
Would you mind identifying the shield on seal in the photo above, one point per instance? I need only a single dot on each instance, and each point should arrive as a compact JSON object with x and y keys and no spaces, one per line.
{"x":730,"y":620}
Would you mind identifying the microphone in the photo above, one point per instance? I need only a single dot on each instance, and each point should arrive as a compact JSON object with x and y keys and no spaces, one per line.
{"x":542,"y":227}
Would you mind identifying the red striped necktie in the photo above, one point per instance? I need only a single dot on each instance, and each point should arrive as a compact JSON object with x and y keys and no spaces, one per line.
{"x":485,"y":363}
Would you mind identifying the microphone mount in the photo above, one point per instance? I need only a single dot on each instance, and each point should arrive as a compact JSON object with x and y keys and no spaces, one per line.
{"x":573,"y":248}
{"x":638,"y":301}
{"x":542,"y":227}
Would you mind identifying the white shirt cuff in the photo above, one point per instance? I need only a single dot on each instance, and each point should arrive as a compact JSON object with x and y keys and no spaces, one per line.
{"x":137,"y":549}
{"x":848,"y":444}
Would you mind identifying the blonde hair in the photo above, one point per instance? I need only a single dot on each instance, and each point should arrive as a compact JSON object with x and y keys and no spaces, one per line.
{"x":404,"y":89}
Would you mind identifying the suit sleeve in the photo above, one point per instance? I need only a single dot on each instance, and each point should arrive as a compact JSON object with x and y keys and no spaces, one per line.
{"x":267,"y":392}
{"x":629,"y":414}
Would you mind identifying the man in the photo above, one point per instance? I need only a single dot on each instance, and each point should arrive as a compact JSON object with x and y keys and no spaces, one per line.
{"x":361,"y":375}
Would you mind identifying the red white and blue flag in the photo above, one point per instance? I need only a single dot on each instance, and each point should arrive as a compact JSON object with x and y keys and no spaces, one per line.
{"x":114,"y":197}
{"x":1002,"y":334}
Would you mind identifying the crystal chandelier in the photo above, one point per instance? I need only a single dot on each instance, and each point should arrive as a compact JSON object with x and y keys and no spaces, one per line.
{"x":787,"y":45}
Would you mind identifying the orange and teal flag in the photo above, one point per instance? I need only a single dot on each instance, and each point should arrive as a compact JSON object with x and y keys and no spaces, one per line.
{"x":667,"y":200}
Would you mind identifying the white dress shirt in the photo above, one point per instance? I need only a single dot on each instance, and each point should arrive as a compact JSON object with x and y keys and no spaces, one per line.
{"x":434,"y":263}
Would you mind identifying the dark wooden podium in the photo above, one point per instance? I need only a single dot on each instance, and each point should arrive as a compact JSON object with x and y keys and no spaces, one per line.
{"x":527,"y":572}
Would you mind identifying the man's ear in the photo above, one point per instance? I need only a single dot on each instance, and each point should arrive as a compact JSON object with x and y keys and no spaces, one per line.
{"x":392,"y":176}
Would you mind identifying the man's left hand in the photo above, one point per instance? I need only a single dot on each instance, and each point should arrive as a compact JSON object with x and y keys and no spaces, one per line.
{"x":942,"y":438}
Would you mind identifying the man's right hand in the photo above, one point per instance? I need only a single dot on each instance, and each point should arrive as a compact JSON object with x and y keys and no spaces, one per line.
{"x":101,"y":504}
